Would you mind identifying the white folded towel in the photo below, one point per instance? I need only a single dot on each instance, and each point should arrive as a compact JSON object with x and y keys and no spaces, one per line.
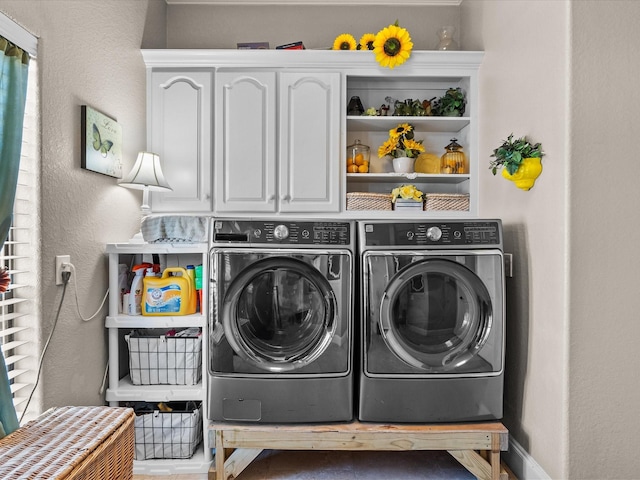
{"x":175,"y":228}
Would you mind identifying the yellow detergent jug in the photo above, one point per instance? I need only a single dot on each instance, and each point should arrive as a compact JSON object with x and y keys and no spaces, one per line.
{"x":169,"y":294}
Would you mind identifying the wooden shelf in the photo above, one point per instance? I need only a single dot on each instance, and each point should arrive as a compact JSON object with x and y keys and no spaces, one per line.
{"x":476,"y":446}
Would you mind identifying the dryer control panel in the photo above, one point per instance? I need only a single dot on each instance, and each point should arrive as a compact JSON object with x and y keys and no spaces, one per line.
{"x":282,"y":232}
{"x":478,"y":233}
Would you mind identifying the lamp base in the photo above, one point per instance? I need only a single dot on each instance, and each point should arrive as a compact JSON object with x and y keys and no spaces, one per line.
{"x":137,"y":238}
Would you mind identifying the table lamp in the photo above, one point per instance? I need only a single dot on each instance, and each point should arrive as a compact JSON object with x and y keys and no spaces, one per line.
{"x":146,"y":175}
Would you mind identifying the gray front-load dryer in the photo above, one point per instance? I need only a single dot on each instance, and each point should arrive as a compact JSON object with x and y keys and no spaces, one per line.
{"x":281,"y":344}
{"x":432,"y":321}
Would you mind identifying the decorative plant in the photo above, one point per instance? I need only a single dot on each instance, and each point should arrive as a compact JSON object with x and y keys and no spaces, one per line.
{"x":344,"y":41}
{"x":511,"y":153}
{"x":392,"y":46}
{"x":401,"y":143}
{"x":451,"y":104}
{"x":406,"y":192}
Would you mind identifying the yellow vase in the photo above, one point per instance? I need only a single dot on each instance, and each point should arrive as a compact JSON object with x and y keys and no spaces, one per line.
{"x":526,"y":175}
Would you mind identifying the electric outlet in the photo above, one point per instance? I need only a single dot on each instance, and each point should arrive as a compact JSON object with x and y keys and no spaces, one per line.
{"x":60,"y":260}
{"x":508,"y":264}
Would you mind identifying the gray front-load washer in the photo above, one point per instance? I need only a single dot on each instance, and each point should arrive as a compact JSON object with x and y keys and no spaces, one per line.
{"x":432,"y":321}
{"x":281,"y":325}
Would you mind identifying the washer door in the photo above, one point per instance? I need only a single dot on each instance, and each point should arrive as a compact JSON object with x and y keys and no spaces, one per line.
{"x":279,"y":314}
{"x":436,"y":314}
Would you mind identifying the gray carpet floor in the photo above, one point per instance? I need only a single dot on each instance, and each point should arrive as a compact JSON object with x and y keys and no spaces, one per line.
{"x":348,"y":465}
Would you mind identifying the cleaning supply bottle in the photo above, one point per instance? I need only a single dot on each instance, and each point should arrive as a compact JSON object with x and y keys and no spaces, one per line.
{"x":135,"y":292}
{"x":191,"y":271}
{"x":169,"y":294}
{"x":199,"y":286}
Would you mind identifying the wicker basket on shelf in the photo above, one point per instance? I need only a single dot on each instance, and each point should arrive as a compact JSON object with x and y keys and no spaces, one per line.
{"x":368,"y":201}
{"x":446,"y":201}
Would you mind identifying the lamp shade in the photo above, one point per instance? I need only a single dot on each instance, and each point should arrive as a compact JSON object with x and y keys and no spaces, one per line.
{"x":146,"y":174}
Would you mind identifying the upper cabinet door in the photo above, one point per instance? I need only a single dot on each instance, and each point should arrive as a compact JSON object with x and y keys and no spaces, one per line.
{"x":245,"y":159}
{"x":179,"y":130}
{"x":309,"y":142}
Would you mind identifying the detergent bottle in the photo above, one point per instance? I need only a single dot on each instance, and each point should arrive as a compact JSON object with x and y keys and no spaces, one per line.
{"x":169,"y":294}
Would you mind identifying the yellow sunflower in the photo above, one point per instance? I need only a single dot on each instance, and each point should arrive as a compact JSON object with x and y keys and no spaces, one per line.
{"x":413,"y":146}
{"x":386,"y":148}
{"x":344,"y":41}
{"x":366,"y":41}
{"x":401,"y":129}
{"x":392,"y":46}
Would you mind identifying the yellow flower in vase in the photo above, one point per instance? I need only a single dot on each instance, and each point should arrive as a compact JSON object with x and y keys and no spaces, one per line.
{"x":401,"y":143}
{"x":344,"y":41}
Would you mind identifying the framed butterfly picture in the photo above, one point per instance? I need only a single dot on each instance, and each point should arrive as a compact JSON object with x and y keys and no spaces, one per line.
{"x":101,"y":143}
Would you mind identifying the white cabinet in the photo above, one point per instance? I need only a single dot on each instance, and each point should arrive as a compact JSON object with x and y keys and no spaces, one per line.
{"x":278,"y":141}
{"x":179,"y":130}
{"x":121,"y":389}
{"x":281,"y":127}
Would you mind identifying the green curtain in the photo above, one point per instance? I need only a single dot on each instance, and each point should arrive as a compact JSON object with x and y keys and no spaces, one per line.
{"x":14,"y":67}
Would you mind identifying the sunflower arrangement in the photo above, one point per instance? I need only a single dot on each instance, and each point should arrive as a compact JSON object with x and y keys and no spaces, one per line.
{"x":392,"y":46}
{"x":407,"y":192}
{"x":401,"y":143}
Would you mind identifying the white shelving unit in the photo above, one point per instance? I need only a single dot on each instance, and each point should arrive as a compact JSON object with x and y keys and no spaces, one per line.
{"x":118,"y":324}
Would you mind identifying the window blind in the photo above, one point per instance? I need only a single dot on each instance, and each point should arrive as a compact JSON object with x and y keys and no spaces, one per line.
{"x":19,"y":307}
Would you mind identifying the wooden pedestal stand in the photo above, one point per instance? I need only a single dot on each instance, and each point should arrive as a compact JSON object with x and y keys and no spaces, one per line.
{"x":476,"y":446}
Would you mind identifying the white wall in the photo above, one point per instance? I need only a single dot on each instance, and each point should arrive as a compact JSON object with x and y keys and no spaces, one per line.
{"x":89,"y":53}
{"x":199,"y":26}
{"x":524,"y":90}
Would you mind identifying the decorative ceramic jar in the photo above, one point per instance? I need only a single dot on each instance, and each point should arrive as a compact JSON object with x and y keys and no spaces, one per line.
{"x":527,"y":173}
{"x":403,"y":164}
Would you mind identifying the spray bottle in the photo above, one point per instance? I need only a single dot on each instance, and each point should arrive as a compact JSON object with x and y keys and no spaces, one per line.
{"x":135,"y":292}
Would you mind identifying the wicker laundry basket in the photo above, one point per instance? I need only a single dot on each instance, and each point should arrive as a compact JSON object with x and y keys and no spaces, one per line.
{"x":368,"y":201}
{"x":71,"y":443}
{"x":446,"y":201}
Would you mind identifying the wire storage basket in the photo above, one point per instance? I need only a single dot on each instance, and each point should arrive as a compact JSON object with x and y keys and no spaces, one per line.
{"x":161,"y":357}
{"x":368,"y":201}
{"x":446,"y":201}
{"x":167,"y":434}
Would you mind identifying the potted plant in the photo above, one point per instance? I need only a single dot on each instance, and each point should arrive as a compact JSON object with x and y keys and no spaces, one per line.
{"x":451,"y":104}
{"x":402,"y":147}
{"x":520,"y":161}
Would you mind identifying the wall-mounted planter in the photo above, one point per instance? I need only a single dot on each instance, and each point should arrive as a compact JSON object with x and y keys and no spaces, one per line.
{"x":527,"y":173}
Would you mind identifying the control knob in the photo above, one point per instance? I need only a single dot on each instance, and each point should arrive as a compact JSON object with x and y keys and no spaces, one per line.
{"x":281,"y":232}
{"x":434,"y":234}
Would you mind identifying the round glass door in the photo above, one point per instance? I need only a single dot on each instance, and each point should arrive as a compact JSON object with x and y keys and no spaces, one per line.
{"x":435,"y":314}
{"x":279,"y":314}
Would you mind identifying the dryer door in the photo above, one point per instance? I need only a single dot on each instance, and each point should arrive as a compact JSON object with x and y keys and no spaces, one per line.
{"x":436,"y":313}
{"x":280,"y":313}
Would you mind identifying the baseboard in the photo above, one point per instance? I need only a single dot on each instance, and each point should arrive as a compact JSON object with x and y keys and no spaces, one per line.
{"x":523,"y":466}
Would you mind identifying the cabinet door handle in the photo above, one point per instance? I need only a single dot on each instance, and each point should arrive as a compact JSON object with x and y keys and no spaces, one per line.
{"x":271,"y":198}
{"x":286,"y":197}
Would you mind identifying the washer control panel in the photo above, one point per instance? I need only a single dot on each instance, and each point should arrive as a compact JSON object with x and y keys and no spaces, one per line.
{"x":281,"y":232}
{"x":447,"y":233}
